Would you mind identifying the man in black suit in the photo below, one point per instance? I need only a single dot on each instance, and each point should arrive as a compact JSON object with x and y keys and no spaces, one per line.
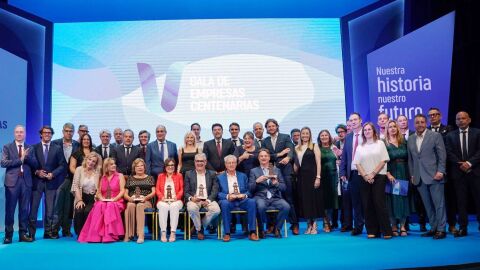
{"x":50,"y":171}
{"x":234,"y":129}
{"x":17,"y":159}
{"x":144,"y":139}
{"x":64,"y":198}
{"x":126,"y":153}
{"x":118,"y":136}
{"x":258,"y":131}
{"x":105,"y":149}
{"x":463,"y":153}
{"x":281,"y":153}
{"x":217,"y":149}
{"x":435,"y":117}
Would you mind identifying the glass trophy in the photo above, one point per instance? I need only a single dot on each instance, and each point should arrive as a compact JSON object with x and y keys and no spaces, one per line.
{"x":271,"y":172}
{"x":108,"y":194}
{"x":169,"y":197}
{"x":137,"y":196}
{"x":201,"y":192}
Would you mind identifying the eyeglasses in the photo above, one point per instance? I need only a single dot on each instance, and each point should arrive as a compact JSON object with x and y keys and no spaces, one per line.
{"x":200,"y":161}
{"x":46,"y":132}
{"x":68,"y":130}
{"x":433,"y":114}
{"x":170,"y":165}
{"x":81,"y":130}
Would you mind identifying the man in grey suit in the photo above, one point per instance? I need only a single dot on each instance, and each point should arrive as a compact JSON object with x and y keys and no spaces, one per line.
{"x":426,"y":161}
{"x":158,"y":151}
{"x":201,"y":190}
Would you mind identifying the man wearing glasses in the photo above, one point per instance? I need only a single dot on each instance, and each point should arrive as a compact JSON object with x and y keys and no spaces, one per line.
{"x":201,"y":190}
{"x":435,"y":117}
{"x":82,"y":130}
{"x":64,"y":198}
{"x":50,"y":172}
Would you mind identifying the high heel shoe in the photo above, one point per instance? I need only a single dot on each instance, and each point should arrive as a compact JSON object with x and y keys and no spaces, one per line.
{"x":163,"y":238}
{"x":314,"y":228}
{"x":309,"y":229}
{"x":172,"y":237}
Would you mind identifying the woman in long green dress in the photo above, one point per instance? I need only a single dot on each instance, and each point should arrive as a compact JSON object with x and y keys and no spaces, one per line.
{"x":398,"y":206}
{"x":329,"y":176}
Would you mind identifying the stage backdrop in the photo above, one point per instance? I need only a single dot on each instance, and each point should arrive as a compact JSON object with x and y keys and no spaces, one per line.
{"x":412,"y":74}
{"x":13,"y":78}
{"x":139,"y":74}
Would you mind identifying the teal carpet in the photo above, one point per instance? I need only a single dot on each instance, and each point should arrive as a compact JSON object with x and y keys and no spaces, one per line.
{"x":323,"y":251}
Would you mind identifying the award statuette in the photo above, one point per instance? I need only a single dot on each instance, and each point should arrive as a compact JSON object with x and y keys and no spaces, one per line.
{"x":108,"y":194}
{"x":138,"y":197}
{"x":201,"y":192}
{"x":271,"y":173}
{"x":235,"y":188}
{"x":169,"y":194}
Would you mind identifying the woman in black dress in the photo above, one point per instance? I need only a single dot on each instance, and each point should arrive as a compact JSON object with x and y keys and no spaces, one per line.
{"x":307,"y":166}
{"x":76,"y":159}
{"x":186,"y":153}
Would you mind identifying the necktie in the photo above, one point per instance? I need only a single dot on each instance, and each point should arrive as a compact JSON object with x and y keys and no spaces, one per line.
{"x":405,"y":136}
{"x":259,"y":143}
{"x":127,"y":152}
{"x":219,"y":149}
{"x":162,"y":151}
{"x":355,"y":144}
{"x":19,"y":151}
{"x":105,"y":155}
{"x":235,"y":142}
{"x":45,"y":153}
{"x":464,"y":145}
{"x":144,"y":151}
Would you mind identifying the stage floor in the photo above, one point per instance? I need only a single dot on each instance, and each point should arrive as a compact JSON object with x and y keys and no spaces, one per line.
{"x":334,"y":250}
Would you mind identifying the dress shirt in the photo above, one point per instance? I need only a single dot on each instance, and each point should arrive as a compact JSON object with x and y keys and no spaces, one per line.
{"x":420,"y":140}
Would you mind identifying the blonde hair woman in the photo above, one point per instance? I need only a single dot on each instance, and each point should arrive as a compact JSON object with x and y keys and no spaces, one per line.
{"x":186,"y":153}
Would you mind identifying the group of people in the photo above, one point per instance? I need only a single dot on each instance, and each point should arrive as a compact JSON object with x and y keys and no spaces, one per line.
{"x":363,"y":176}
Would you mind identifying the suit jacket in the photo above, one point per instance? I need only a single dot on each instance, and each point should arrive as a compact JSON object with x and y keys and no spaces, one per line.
{"x":215,"y":162}
{"x":99,"y":150}
{"x":177,"y":181}
{"x":444,"y":130}
{"x":55,"y":164}
{"x":124,"y":164}
{"x":12,"y":163}
{"x":283,"y":141}
{"x":190,"y":184}
{"x":346,"y":159}
{"x":239,"y":139}
{"x":75,"y":147}
{"x":155,"y":164}
{"x":143,"y":155}
{"x":430,"y":159}
{"x":242,"y":180}
{"x":454,"y":152}
{"x":260,"y":189}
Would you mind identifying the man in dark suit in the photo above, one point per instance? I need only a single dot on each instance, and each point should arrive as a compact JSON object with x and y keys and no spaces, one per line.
{"x":143,"y":138}
{"x":295,"y":135}
{"x":435,"y":117}
{"x":126,"y":153}
{"x":258,"y":131}
{"x":281,"y":154}
{"x":352,"y":203}
{"x":201,"y":190}
{"x":266,"y":184}
{"x":233,"y":193}
{"x":50,"y":171}
{"x":105,"y":149}
{"x":426,"y":163}
{"x":234,"y":129}
{"x":341,"y":131}
{"x":463,"y":153}
{"x":64,"y":198}
{"x":217,"y":149}
{"x":158,"y":151}
{"x":118,"y":136}
{"x":17,"y":159}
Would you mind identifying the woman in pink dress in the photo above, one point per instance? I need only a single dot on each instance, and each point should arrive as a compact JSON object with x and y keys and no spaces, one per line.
{"x":104,"y":223}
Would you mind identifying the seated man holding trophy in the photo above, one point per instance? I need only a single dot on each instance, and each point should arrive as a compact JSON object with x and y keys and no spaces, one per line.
{"x":267,"y":184}
{"x":233,"y":194}
{"x":201,"y":190}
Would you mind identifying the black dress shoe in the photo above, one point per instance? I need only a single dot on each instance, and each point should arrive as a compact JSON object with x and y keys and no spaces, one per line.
{"x":50,"y":236}
{"x":428,"y":234}
{"x":25,"y":238}
{"x":7,"y":240}
{"x":278,"y":234}
{"x":261,"y":234}
{"x":66,"y":234}
{"x":345,"y":229}
{"x":452,"y":229}
{"x":355,"y":232}
{"x":440,"y":235}
{"x":423,"y":228}
{"x":460,"y":233}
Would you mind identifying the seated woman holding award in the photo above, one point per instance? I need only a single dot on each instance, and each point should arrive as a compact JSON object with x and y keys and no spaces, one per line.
{"x":140,"y":189}
{"x":104,"y":223}
{"x":169,"y":192}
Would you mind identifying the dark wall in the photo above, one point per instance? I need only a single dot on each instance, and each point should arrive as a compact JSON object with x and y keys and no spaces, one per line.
{"x":465,"y":83}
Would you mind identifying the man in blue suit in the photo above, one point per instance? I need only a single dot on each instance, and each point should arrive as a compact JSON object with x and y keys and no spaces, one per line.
{"x":158,"y":151}
{"x":426,"y":162}
{"x":233,"y":194}
{"x":267,"y":184}
{"x":348,"y":173}
{"x":50,"y":173}
{"x":17,"y":158}
{"x":64,"y":198}
{"x":281,"y":154}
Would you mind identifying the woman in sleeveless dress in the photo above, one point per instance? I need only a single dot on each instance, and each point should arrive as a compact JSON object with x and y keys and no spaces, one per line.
{"x":104,"y":223}
{"x":307,"y":166}
{"x":186,"y":154}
